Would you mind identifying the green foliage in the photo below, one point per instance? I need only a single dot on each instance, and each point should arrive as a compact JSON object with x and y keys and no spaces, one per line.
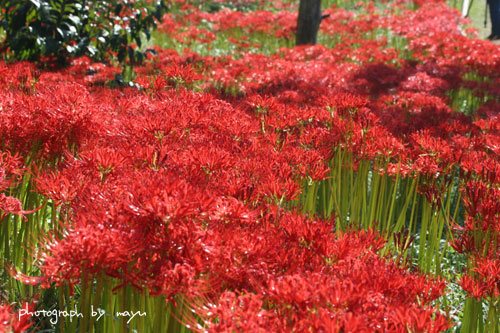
{"x":60,"y":29}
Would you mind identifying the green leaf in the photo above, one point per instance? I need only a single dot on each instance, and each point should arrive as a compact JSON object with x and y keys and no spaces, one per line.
{"x":61,"y":32}
{"x":92,"y":50}
{"x":75,"y":19}
{"x":36,"y":3}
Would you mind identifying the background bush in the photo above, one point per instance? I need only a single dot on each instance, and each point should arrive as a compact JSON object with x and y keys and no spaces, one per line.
{"x":60,"y":29}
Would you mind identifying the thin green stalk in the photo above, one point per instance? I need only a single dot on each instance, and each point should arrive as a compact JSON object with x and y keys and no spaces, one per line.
{"x":492,"y":321}
{"x":380,"y":205}
{"x":62,"y":306}
{"x":472,"y":312}
{"x":393,"y":202}
{"x":141,"y":300}
{"x":426,"y":217}
{"x":373,"y":197}
{"x":408,"y":199}
{"x":96,"y":302}
{"x":124,"y":303}
{"x":85,"y":294}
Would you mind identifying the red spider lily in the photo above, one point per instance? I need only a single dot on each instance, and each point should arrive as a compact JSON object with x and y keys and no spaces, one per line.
{"x":12,"y":205}
{"x":323,"y":301}
{"x":482,"y":280}
{"x":46,"y":124}
{"x":11,"y":170}
{"x":58,"y":188}
{"x":29,"y":280}
{"x":15,"y":321}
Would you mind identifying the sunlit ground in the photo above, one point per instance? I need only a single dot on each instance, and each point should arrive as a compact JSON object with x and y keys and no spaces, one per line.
{"x":476,"y":14}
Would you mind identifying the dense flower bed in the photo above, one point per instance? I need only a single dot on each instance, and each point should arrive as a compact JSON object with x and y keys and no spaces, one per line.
{"x":319,"y":188}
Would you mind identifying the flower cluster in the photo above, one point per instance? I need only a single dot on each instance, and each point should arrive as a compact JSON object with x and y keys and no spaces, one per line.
{"x":12,"y":321}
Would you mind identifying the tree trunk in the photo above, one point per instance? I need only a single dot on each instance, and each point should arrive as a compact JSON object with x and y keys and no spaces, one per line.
{"x":308,"y":22}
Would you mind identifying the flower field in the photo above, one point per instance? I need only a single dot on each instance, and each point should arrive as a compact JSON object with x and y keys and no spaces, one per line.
{"x":241,"y":184}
